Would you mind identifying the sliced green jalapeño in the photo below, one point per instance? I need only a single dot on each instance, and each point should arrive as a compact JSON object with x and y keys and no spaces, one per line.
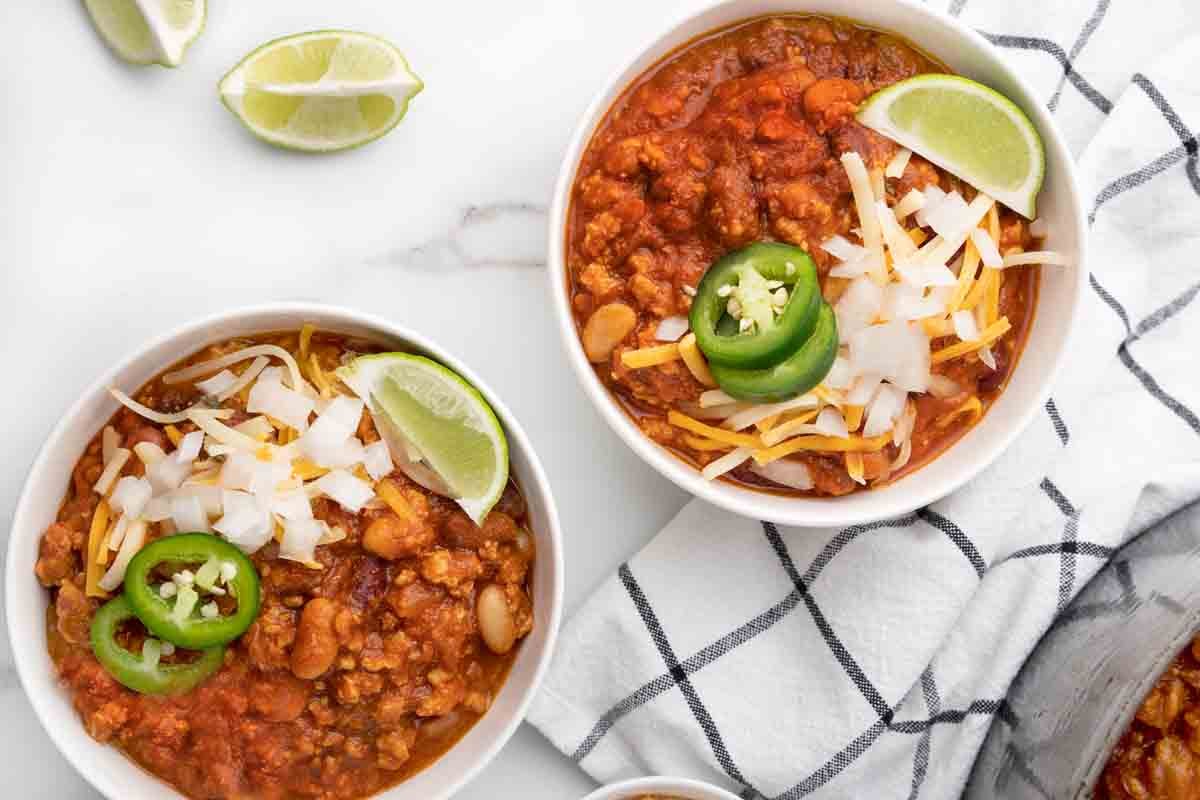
{"x":793,"y":376}
{"x":758,"y":277}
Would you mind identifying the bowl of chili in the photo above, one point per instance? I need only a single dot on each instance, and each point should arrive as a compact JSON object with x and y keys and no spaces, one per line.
{"x":223,"y":575}
{"x":699,"y":188}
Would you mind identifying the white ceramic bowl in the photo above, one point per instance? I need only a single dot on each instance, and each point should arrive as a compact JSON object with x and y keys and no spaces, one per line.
{"x":1060,"y":205}
{"x":672,"y":787}
{"x":112,"y":773}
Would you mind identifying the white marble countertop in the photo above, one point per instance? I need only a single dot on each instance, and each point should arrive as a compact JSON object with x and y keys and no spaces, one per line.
{"x":131,"y":201}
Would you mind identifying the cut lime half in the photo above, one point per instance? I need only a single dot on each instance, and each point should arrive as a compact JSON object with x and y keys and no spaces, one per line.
{"x":964,"y":127}
{"x":148,"y":31}
{"x":443,"y":417}
{"x":322,"y":91}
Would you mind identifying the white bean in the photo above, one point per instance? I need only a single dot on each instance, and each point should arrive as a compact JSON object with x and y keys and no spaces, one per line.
{"x":605,"y":329}
{"x":496,"y":624}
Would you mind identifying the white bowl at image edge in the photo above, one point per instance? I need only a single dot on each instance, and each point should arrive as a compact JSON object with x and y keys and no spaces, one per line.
{"x":1060,"y":205}
{"x":671,"y":787}
{"x":116,"y":776}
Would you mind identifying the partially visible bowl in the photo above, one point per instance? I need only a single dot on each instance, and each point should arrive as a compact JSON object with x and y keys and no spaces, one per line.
{"x":681,"y":788}
{"x":113,"y":774}
{"x":1060,"y":206}
{"x":1080,"y":688}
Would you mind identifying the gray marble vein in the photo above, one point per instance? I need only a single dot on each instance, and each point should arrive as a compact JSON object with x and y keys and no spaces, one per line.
{"x":494,"y":235}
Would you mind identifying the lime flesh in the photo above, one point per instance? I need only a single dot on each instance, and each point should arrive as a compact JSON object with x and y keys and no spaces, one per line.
{"x":148,"y":31}
{"x":443,"y":417}
{"x":967,"y":129}
{"x":321,"y":92}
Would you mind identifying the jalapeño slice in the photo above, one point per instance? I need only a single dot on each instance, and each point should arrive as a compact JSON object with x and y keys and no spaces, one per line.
{"x":794,"y":376}
{"x":183,"y":626}
{"x":756,"y":274}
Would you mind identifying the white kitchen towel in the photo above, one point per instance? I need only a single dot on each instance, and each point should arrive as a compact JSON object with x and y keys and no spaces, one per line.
{"x":869,"y":662}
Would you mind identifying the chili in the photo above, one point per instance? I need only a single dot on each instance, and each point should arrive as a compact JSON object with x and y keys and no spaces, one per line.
{"x":145,"y":673}
{"x":191,"y":630}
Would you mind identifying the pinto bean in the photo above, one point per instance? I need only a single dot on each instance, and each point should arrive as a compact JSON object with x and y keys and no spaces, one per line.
{"x":496,"y":624}
{"x":605,"y":329}
{"x":316,"y":643}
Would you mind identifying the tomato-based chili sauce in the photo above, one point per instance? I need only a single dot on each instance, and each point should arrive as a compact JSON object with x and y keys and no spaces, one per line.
{"x":736,"y":138}
{"x":410,"y":673}
{"x":1159,"y":755}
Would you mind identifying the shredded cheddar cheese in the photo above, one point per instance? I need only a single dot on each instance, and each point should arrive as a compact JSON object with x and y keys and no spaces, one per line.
{"x":390,"y":494}
{"x":989,"y":335}
{"x":855,"y":468}
{"x":766,"y":424}
{"x":918,"y":236}
{"x":854,"y":417}
{"x":96,"y":537}
{"x":823,"y":444}
{"x":318,"y":376}
{"x":306,"y":470}
{"x":936,"y":328}
{"x":651,"y":356}
{"x":972,"y":406}
{"x":694,"y":360}
{"x":705,"y":445}
{"x":173,"y":434}
{"x":709,"y":432}
{"x":966,"y":277}
{"x":306,"y":334}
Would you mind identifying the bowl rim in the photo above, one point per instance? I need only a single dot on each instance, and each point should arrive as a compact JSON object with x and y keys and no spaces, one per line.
{"x":22,"y":651}
{"x":805,"y":512}
{"x":623,"y":790}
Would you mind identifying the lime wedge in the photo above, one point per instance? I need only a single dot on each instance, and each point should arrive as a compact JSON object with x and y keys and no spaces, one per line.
{"x":443,"y":417}
{"x":964,"y":127}
{"x":148,"y":31}
{"x":321,"y":92}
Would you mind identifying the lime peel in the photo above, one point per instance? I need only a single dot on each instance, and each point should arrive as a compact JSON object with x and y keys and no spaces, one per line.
{"x":967,"y":129}
{"x":322,"y":91}
{"x":149,"y":31}
{"x":442,"y":417}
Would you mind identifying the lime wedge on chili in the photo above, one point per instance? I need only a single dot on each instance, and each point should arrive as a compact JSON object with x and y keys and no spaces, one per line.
{"x":322,"y":91}
{"x":969,"y":130}
{"x":148,"y":31}
{"x":443,"y":417}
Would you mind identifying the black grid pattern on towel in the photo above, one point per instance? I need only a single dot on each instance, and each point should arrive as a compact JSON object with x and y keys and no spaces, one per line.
{"x":1068,"y":548}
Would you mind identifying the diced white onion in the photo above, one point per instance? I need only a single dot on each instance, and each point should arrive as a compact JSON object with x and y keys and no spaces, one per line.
{"x":217,"y":383}
{"x":713,"y":412}
{"x":131,"y":495}
{"x":987,"y":357}
{"x":167,"y":474}
{"x":300,"y":538}
{"x":933,"y":198}
{"x":897,"y":240}
{"x":923,"y":274}
{"x":377,"y":460}
{"x":1036,"y":257}
{"x":246,"y":524}
{"x":117,"y":537}
{"x":942,"y":387}
{"x":757,"y":413}
{"x":189,"y":447}
{"x":111,"y":470}
{"x":976,"y":209}
{"x":158,"y":509}
{"x":672,"y":329}
{"x":965,"y":327}
{"x":209,"y":495}
{"x":209,"y":367}
{"x":843,"y":249}
{"x":187,"y":512}
{"x":885,"y":407}
{"x":226,"y":435}
{"x":786,"y":472}
{"x":841,"y":374}
{"x":325,"y":443}
{"x":903,"y":301}
{"x":256,"y":428}
{"x":135,"y":537}
{"x":715,"y":397}
{"x":149,"y":453}
{"x":110,"y":440}
{"x":897,"y":351}
{"x":949,"y":216}
{"x":830,"y":422}
{"x":725,"y":463}
{"x":292,"y":505}
{"x":858,"y":307}
{"x":276,"y":400}
{"x":344,"y":489}
{"x":989,"y":254}
{"x":912,"y":202}
{"x":895,"y":167}
{"x":864,"y":389}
